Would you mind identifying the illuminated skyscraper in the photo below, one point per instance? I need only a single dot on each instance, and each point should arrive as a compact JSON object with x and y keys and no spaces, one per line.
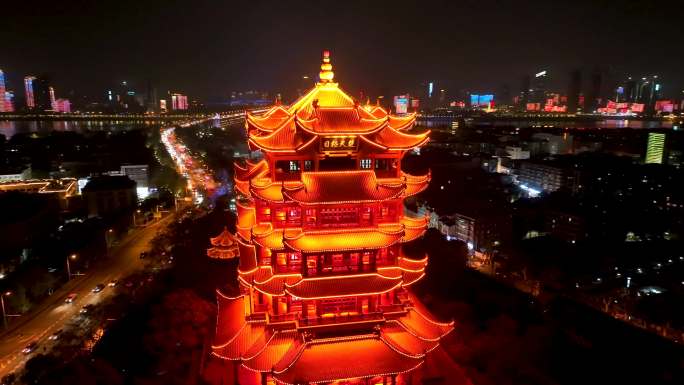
{"x":655,"y":148}
{"x":28,"y":90}
{"x":53,"y":101}
{"x":2,"y":92}
{"x":179,"y":102}
{"x":9,"y":101}
{"x":538,"y":92}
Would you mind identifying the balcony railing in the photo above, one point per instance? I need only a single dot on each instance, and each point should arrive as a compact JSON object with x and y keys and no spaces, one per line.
{"x":340,"y":319}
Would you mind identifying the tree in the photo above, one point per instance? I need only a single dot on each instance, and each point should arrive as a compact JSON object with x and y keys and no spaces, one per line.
{"x":179,"y":326}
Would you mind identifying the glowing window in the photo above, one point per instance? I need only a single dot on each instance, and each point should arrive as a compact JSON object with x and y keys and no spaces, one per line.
{"x":366,"y":164}
{"x":294,"y":165}
{"x":281,"y":259}
{"x":366,"y":258}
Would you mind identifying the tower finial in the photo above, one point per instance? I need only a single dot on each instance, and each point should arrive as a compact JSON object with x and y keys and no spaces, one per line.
{"x":326,"y":75}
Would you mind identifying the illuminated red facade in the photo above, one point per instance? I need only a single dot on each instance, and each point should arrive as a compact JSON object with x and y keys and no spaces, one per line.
{"x":321,"y":224}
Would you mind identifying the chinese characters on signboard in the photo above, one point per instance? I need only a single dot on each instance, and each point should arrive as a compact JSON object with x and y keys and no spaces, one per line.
{"x":338,"y":143}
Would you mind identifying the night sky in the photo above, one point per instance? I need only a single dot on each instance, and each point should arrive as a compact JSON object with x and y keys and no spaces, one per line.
{"x":208,"y":48}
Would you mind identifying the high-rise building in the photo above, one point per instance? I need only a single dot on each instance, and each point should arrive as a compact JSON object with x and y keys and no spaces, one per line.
{"x":62,"y":105}
{"x":53,"y":100}
{"x":655,"y":148}
{"x":2,"y":92}
{"x":591,"y":102}
{"x":630,"y":90}
{"x":574,"y":89}
{"x":538,"y":93}
{"x":41,"y":93}
{"x":179,"y":102}
{"x":323,"y":274}
{"x":524,"y":93}
{"x":9,"y":101}
{"x":29,"y":93}
{"x":647,"y":92}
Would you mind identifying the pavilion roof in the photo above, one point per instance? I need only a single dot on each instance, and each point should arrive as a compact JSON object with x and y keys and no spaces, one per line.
{"x":344,"y":239}
{"x":344,"y":358}
{"x":391,"y":139}
{"x":224,"y":239}
{"x":415,"y":184}
{"x":341,"y":187}
{"x":246,"y":219}
{"x":396,"y":334}
{"x":248,"y":261}
{"x":274,"y":351}
{"x":247,"y":336}
{"x":243,"y":175}
{"x":422,"y":327}
{"x":342,"y":286}
{"x":397,"y":346}
{"x":286,"y":138}
{"x":327,"y":110}
{"x":227,"y":323}
{"x":225,"y":246}
{"x":413,"y":227}
{"x":338,"y":120}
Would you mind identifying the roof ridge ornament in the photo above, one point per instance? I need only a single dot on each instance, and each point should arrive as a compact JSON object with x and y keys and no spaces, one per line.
{"x":326,"y":75}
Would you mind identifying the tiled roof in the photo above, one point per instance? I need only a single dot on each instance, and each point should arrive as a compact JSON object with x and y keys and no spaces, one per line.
{"x":224,"y":239}
{"x":342,"y":240}
{"x":284,"y":139}
{"x":415,"y":184}
{"x":246,"y":219}
{"x":244,"y":174}
{"x":248,"y":260}
{"x":377,"y":111}
{"x":247,"y":172}
{"x":222,"y":253}
{"x":345,"y":358}
{"x":424,"y":328}
{"x":401,"y":122}
{"x":248,"y":335}
{"x":230,"y":317}
{"x":342,"y":286}
{"x":225,"y":246}
{"x":413,"y":227}
{"x":265,"y":359}
{"x":339,"y":120}
{"x":394,"y":333}
{"x":325,"y":109}
{"x":341,"y":186}
{"x":275,"y":284}
{"x":390,"y":139}
{"x":265,"y":236}
{"x":270,"y":120}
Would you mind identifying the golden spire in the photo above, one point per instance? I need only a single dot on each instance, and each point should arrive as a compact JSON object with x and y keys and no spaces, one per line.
{"x":326,"y":75}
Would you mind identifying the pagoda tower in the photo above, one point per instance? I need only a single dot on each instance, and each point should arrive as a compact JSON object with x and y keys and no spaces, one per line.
{"x":321,"y":224}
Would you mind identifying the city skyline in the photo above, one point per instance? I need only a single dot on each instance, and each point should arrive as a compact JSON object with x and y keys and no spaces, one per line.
{"x":460,"y":47}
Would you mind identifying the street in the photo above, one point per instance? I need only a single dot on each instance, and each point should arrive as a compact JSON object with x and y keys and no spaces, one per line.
{"x":54,"y":314}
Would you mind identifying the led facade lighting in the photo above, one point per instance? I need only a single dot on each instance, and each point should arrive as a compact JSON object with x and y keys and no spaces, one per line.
{"x":320,"y":229}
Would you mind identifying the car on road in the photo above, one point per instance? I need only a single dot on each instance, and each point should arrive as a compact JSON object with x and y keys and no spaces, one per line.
{"x":113,"y":283}
{"x":30,"y":348}
{"x":70,"y":298}
{"x":98,"y":288}
{"x":86,"y":309}
{"x":55,"y":336}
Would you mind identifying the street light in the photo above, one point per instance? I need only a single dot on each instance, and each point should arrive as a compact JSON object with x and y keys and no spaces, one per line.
{"x":72,"y":257}
{"x":2,"y":301}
